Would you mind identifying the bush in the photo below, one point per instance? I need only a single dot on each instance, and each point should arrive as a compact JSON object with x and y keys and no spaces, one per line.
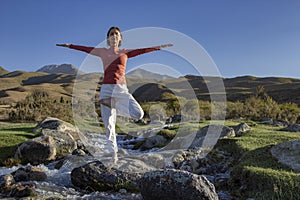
{"x":256,"y":108}
{"x":289,"y":112}
{"x":39,"y":105}
{"x":235,"y":110}
{"x":205,"y":110}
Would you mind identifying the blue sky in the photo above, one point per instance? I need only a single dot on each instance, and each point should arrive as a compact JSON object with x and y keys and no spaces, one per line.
{"x":257,"y":37}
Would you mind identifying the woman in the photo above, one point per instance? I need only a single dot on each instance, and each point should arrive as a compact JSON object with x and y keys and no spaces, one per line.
{"x":114,"y":96}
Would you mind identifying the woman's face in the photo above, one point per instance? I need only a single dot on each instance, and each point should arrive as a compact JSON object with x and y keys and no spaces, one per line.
{"x":114,"y":37}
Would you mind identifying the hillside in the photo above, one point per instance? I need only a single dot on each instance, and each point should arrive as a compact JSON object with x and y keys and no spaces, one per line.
{"x":141,"y":73}
{"x":3,"y":71}
{"x":279,"y":88}
{"x":14,"y":86}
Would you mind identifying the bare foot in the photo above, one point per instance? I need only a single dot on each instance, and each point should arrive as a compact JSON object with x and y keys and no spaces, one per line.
{"x":109,"y":102}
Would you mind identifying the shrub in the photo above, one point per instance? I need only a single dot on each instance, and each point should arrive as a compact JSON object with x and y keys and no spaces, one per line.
{"x":235,"y":110}
{"x":39,"y":105}
{"x":205,"y":110}
{"x":173,"y":107}
{"x":289,"y":112}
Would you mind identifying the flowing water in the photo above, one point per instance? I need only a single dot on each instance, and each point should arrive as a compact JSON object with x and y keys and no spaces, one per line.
{"x":58,"y":182}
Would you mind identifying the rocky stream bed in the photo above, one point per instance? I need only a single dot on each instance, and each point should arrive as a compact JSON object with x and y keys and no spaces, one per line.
{"x":61,"y":166}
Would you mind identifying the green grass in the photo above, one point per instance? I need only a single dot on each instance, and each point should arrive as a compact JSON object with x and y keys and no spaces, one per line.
{"x":256,"y":169}
{"x":11,"y":135}
{"x":91,"y":125}
{"x":267,"y":183}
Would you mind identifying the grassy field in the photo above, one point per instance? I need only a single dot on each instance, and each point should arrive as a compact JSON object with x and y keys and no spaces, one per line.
{"x":11,"y":135}
{"x":256,"y":174}
{"x":256,"y":170}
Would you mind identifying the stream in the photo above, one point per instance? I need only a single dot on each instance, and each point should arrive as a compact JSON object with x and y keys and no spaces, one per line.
{"x":58,"y":183}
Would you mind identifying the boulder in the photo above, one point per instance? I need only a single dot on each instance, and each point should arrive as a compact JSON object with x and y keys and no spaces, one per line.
{"x":23,"y":190}
{"x":58,"y":125}
{"x":186,"y":160}
{"x":208,"y":135}
{"x":266,"y":121}
{"x":279,"y":123}
{"x":241,"y":128}
{"x":64,"y":141}
{"x":215,"y":162}
{"x":154,"y":141}
{"x":95,"y":176}
{"x":176,"y":185}
{"x":292,"y":128}
{"x":29,"y":173}
{"x":37,"y":150}
{"x":288,"y":153}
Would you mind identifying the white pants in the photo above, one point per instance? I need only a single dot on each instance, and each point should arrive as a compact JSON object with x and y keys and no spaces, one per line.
{"x":125,"y":105}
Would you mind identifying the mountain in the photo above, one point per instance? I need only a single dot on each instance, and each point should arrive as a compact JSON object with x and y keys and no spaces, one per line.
{"x":63,"y":68}
{"x":141,"y":73}
{"x":3,"y":71}
{"x":282,"y":90}
{"x":16,"y":85}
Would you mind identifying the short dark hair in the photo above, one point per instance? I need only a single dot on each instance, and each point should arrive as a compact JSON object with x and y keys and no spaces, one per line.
{"x":107,"y":35}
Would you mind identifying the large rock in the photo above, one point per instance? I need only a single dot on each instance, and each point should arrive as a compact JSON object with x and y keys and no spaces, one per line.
{"x":186,"y":160}
{"x":241,"y":128}
{"x":58,"y":125}
{"x":288,"y":153}
{"x":37,"y":150}
{"x":23,"y":190}
{"x":97,"y":177}
{"x":292,"y":128}
{"x":176,"y":185}
{"x":29,"y":173}
{"x":204,"y":138}
{"x":209,"y":135}
{"x":154,"y":141}
{"x":64,"y":141}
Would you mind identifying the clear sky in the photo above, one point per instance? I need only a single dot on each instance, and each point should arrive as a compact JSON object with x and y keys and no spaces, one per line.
{"x":251,"y":37}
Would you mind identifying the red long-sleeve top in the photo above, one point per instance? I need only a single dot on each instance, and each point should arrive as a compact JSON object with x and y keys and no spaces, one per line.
{"x":114,"y":60}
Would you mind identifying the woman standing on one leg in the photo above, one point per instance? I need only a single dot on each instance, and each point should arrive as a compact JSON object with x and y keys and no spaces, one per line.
{"x":114,"y":96}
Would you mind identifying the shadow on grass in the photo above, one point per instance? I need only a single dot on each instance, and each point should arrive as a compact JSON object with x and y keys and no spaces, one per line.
{"x":256,"y":173}
{"x":19,"y":129}
{"x":25,"y":135}
{"x":260,"y":157}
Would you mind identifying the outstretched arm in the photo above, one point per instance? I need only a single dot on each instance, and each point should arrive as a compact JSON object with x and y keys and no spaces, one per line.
{"x":135,"y":52}
{"x":90,"y":50}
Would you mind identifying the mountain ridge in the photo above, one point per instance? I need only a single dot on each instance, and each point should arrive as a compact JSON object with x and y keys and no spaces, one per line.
{"x":15,"y":86}
{"x":142,"y":73}
{"x":3,"y":71}
{"x":63,"y":68}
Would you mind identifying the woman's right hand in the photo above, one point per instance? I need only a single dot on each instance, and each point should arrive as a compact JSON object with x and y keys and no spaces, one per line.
{"x":63,"y":45}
